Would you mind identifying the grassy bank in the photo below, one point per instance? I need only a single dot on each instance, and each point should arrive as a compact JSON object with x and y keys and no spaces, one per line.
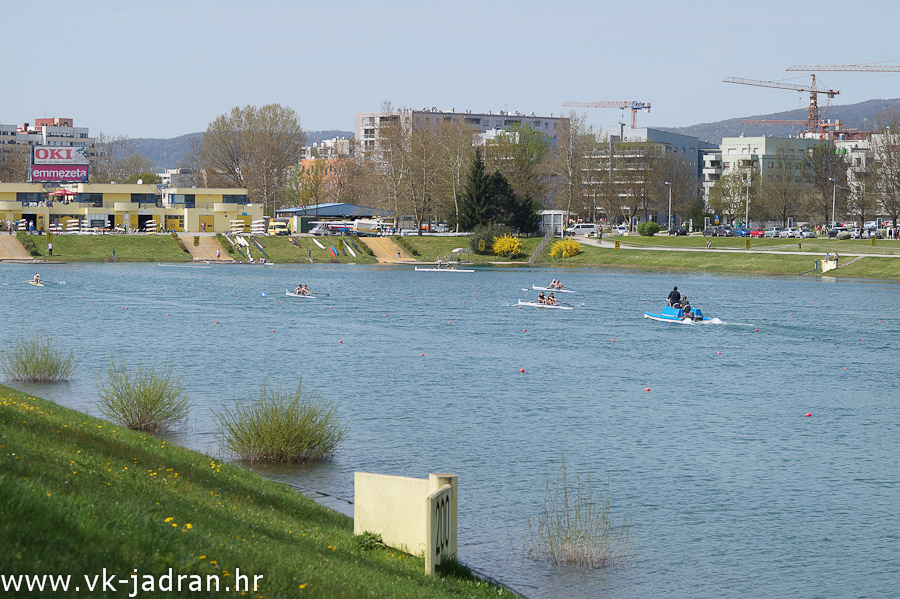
{"x":433,"y":248}
{"x":78,"y":495}
{"x":97,"y":248}
{"x":281,"y":250}
{"x":887,"y":247}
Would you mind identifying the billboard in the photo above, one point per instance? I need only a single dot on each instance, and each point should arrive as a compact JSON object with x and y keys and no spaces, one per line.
{"x":58,"y":164}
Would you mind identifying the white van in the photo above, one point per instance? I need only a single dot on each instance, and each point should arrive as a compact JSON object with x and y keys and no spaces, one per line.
{"x":586,"y":229}
{"x":619,"y":230}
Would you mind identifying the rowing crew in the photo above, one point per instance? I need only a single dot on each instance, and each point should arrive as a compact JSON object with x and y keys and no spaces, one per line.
{"x":446,"y":266}
{"x":301,"y":290}
{"x":37,"y":279}
{"x":550,"y":301}
{"x":555,"y":284}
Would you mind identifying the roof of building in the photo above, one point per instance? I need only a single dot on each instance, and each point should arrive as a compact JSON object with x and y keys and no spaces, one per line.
{"x":334,"y":209}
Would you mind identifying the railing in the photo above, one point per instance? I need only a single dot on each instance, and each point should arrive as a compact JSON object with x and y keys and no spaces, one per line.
{"x":543,"y":244}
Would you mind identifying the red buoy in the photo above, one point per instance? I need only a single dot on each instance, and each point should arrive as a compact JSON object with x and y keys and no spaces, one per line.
{"x":521,"y":370}
{"x":808,"y":414}
{"x":421,"y":354}
{"x":647,"y":389}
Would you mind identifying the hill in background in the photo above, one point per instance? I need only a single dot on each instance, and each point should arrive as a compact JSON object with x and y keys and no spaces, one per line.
{"x":167,"y":153}
{"x":853,"y":116}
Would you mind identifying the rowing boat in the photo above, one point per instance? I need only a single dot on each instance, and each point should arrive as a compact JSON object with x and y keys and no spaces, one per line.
{"x":536,"y":288}
{"x":35,"y":284}
{"x":445,"y":269}
{"x":540,"y":305}
{"x":300,"y":295}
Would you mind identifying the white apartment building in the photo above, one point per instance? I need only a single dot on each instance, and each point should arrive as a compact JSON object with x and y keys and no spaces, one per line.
{"x":367,"y":124}
{"x":53,"y":131}
{"x":337,"y":147}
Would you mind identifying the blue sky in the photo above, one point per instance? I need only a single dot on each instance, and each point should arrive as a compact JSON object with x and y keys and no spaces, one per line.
{"x":166,"y":68}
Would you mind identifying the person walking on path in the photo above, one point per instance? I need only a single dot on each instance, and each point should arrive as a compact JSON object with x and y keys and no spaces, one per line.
{"x":50,"y":248}
{"x":218,"y":254}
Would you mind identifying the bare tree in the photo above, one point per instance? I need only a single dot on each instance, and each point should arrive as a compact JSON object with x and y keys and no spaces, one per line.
{"x":455,"y":156}
{"x":422,"y":158}
{"x":727,"y":196}
{"x":114,"y":159}
{"x":518,"y":154}
{"x":14,"y":164}
{"x":253,"y":147}
{"x":568,"y":165}
{"x":783,"y":190}
{"x":825,"y":172}
{"x":671,"y":173}
{"x":307,"y":184}
{"x":390,"y":164}
{"x":886,"y":154}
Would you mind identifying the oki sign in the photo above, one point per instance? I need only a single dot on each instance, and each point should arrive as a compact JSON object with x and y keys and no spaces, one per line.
{"x":58,"y":155}
{"x":59,"y":173}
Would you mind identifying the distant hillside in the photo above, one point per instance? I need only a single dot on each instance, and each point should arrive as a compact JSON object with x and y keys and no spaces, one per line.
{"x":167,"y":153}
{"x":853,"y":116}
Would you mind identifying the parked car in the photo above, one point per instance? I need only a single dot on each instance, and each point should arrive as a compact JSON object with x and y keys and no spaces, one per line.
{"x":871,"y":234}
{"x":806,"y":233}
{"x":741,"y":232}
{"x":582,"y":229}
{"x":710,"y":232}
{"x":757,"y":232}
{"x":855,"y":233}
{"x":725,"y":230}
{"x":678,"y":231}
{"x":773,"y":232}
{"x":833,"y":232}
{"x":619,"y":230}
{"x":788,"y":233}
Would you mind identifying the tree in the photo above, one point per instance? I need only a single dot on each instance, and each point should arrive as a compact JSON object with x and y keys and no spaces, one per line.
{"x":682,"y":180}
{"x":863,"y":199}
{"x":821,"y":168}
{"x":886,"y":161}
{"x":474,"y":207}
{"x":568,"y":166}
{"x":14,"y":164}
{"x":146,"y":177}
{"x":635,"y":165}
{"x":389,"y":163}
{"x":455,"y":156}
{"x":114,"y":159}
{"x":307,"y":185}
{"x":519,"y":153}
{"x":783,"y":190}
{"x":728,"y":195}
{"x":253,"y":147}
{"x":422,"y":165}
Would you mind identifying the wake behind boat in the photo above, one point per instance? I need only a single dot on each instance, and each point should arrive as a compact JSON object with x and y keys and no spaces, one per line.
{"x":540,"y":305}
{"x":670,"y":314}
{"x":445,"y":269}
{"x":536,"y":288}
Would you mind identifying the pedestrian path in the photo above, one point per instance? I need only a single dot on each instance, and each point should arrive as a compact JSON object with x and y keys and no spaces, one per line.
{"x":205,"y":251}
{"x":386,"y":250}
{"x":12,"y":249}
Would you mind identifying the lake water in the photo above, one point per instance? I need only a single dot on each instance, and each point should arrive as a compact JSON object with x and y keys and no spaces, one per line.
{"x":732,"y":490}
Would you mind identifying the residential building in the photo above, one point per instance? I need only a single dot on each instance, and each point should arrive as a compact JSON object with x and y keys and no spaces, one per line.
{"x":338,"y":147}
{"x":53,"y":131}
{"x":368,"y":124}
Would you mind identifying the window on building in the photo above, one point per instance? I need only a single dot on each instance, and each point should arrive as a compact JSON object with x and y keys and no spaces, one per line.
{"x":771,"y":164}
{"x":29,"y":196}
{"x":94,"y":200}
{"x":234,"y":199}
{"x":183,"y":199}
{"x":143,"y":198}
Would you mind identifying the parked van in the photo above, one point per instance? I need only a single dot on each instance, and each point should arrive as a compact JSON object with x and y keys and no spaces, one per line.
{"x":586,"y":229}
{"x":279,"y":226}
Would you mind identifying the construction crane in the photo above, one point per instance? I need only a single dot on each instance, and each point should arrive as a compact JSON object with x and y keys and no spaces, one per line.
{"x":812,"y":120}
{"x":621,"y":105}
{"x":844,"y":67}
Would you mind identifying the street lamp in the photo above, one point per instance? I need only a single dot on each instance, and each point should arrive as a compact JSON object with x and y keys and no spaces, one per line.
{"x":833,"y":198}
{"x":669,"y":224}
{"x":747,"y":209}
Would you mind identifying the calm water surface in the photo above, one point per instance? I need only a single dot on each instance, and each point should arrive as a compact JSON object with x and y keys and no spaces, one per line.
{"x":733,"y":492}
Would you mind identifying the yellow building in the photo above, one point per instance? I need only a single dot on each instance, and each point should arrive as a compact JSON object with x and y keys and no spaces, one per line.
{"x":127,"y":206}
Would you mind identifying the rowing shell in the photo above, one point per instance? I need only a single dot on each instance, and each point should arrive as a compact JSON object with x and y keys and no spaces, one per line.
{"x":295,"y":294}
{"x":536,"y":288}
{"x":445,"y":269}
{"x":540,"y":305}
{"x":35,"y":284}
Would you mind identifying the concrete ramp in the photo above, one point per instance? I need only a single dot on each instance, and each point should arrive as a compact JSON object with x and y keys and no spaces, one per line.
{"x":12,"y":249}
{"x":205,"y":251}
{"x":385,"y":250}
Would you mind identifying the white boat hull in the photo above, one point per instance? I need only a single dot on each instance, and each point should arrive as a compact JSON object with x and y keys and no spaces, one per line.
{"x":536,"y":288}
{"x":290,"y":293}
{"x":445,"y":269}
{"x":540,"y":305}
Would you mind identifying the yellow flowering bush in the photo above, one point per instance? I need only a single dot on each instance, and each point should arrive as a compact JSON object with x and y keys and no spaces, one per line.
{"x":565,"y":249}
{"x":507,"y":246}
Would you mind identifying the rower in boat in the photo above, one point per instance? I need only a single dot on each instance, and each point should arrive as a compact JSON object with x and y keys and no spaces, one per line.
{"x":306,"y":290}
{"x":299,"y":289}
{"x":37,"y":279}
{"x":541,"y":298}
{"x":551,"y":301}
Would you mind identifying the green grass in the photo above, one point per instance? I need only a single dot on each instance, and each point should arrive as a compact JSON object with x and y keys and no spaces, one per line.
{"x":36,"y":358}
{"x":281,"y":250}
{"x":78,"y":495}
{"x":279,"y":426}
{"x":97,"y":248}
{"x":433,"y":248}
{"x":816,"y":244}
{"x":146,"y":397}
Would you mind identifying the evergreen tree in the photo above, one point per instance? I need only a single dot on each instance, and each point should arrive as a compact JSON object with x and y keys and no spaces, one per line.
{"x":474,"y":207}
{"x":527,"y":219}
{"x":501,"y":200}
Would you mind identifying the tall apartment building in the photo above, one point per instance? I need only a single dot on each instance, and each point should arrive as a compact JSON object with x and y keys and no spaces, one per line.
{"x":368,"y":124}
{"x":53,"y":131}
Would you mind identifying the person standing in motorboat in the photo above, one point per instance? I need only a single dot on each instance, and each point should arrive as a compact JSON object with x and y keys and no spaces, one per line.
{"x":674,"y":297}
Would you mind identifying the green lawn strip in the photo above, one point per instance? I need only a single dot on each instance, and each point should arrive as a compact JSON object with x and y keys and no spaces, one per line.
{"x":433,"y":248}
{"x":97,"y":248}
{"x":868,"y":268}
{"x":816,"y":244}
{"x":749,"y":263}
{"x":78,"y":495}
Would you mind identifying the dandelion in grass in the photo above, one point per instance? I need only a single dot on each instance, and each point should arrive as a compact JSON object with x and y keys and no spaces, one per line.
{"x":280,"y":426}
{"x":35,"y":358}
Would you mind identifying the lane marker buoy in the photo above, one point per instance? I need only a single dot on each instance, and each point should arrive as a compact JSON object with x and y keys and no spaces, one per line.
{"x":647,"y":389}
{"x":808,"y":414}
{"x":521,"y":370}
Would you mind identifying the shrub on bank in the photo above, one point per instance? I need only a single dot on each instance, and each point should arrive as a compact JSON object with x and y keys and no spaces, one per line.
{"x":648,"y":229}
{"x":507,"y":246}
{"x":577,"y":527}
{"x":35,"y":358}
{"x":482,"y":239}
{"x":565,"y":249}
{"x":279,"y":426}
{"x":144,"y":398}
{"x":402,"y":242}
